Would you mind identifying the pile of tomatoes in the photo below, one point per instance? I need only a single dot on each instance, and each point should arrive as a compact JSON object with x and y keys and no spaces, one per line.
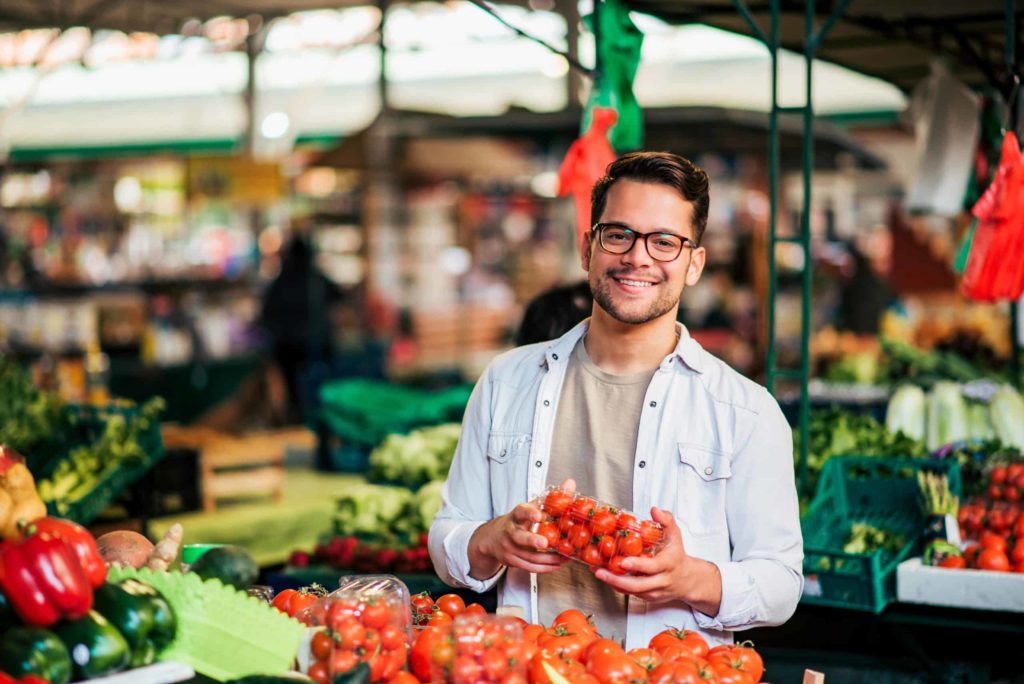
{"x":441,"y":613}
{"x":367,"y":629}
{"x":595,"y":533}
{"x":475,"y":649}
{"x":993,"y":524}
{"x":572,"y":649}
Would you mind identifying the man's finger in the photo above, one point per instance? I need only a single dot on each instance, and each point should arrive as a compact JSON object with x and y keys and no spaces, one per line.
{"x":528,"y":540}
{"x":537,"y":558}
{"x":645,"y":565}
{"x":569,"y":485}
{"x":535,"y":568}
{"x":627,"y":584}
{"x":526,"y":514}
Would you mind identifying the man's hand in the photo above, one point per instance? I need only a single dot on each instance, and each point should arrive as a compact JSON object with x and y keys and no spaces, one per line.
{"x":508,"y":541}
{"x":671,"y":574}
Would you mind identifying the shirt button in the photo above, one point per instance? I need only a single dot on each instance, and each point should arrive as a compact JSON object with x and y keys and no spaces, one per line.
{"x":643,"y":463}
{"x":503,"y":452}
{"x":708,"y":471}
{"x":554,"y":356}
{"x":547,"y":403}
{"x":538,"y":464}
{"x":653,"y":404}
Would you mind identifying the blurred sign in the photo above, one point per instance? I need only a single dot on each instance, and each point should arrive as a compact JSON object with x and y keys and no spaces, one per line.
{"x":235,"y":179}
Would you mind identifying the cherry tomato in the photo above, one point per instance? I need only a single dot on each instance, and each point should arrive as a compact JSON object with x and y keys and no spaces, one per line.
{"x":319,"y":673}
{"x":612,"y":667}
{"x":592,"y":555}
{"x":651,"y":533}
{"x":993,"y":559}
{"x":630,"y":544}
{"x":532,"y":632}
{"x":439,"y":619}
{"x":349,"y":633}
{"x":995,"y":492}
{"x":451,"y":604}
{"x":991,"y":540}
{"x":607,"y":546}
{"x":601,"y":646}
{"x":565,"y":524}
{"x":615,"y":565}
{"x":391,"y":637}
{"x":343,"y":660}
{"x":404,"y":678}
{"x":281,"y":600}
{"x":422,"y":603}
{"x":583,"y":509}
{"x":691,"y":641}
{"x":549,"y":531}
{"x":1017,"y":554}
{"x":474,"y":609}
{"x":376,"y":614}
{"x":603,"y":522}
{"x":579,"y":535}
{"x":566,"y":548}
{"x":466,"y":670}
{"x":557,"y":502}
{"x":626,"y":521}
{"x":321,"y":645}
{"x":998,"y":475}
{"x":647,"y":658}
{"x":953,"y":562}
{"x":573,"y":620}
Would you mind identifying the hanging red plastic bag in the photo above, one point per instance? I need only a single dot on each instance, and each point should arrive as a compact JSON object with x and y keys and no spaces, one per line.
{"x":995,"y":266}
{"x":584,"y":163}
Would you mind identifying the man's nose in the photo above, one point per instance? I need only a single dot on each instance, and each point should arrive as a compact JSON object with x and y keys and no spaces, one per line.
{"x":638,"y":253}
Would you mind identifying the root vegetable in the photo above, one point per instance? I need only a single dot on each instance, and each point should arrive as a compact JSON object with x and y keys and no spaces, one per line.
{"x":124,"y":548}
{"x":166,"y":551}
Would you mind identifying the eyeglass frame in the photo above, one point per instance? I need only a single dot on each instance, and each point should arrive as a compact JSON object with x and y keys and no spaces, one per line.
{"x":686,"y":242}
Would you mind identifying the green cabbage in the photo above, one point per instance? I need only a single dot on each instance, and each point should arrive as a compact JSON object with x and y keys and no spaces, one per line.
{"x":947,"y":415}
{"x":1007,"y":413}
{"x":979,"y":424}
{"x":906,"y":412}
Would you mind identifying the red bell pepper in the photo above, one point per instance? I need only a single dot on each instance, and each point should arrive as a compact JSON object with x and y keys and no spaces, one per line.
{"x":81,"y":543}
{"x":43,"y":580}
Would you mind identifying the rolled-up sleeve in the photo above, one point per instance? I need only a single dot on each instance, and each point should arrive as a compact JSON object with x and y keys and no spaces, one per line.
{"x":762,"y":582}
{"x":466,"y":495}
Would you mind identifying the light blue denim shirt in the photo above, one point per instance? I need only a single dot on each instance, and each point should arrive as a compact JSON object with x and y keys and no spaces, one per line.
{"x":713,"y":448}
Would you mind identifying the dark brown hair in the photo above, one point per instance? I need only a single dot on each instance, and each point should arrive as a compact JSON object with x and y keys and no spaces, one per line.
{"x":657,"y":167}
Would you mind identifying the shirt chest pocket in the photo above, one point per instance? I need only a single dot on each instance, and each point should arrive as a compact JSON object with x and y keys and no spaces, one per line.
{"x":506,"y":447}
{"x":507,"y":456}
{"x":704,"y":473}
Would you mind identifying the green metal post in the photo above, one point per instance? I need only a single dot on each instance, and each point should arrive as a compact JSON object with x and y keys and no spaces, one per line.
{"x":805,"y":241}
{"x":773,"y":188}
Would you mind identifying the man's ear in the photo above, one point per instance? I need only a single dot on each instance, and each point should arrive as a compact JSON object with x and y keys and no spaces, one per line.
{"x":696,"y":267}
{"x":584,"y":245}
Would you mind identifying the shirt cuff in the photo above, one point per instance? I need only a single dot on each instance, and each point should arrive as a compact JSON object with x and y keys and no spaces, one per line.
{"x":739,"y":600}
{"x":456,"y":552}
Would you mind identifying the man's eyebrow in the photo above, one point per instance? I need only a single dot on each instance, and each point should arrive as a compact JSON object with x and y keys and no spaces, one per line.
{"x":622,"y":224}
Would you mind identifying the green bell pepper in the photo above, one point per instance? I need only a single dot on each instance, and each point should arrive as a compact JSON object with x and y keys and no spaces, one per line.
{"x":142,"y":616}
{"x":95,"y":645}
{"x":34,"y":651}
{"x":8,"y":618}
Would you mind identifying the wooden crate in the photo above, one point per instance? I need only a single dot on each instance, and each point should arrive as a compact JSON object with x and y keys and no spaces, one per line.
{"x":243,"y":467}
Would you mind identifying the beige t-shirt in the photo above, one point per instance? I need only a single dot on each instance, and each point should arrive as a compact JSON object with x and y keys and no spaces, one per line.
{"x":594,"y":443}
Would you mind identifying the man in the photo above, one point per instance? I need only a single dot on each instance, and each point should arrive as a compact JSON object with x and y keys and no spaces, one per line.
{"x":630,"y":409}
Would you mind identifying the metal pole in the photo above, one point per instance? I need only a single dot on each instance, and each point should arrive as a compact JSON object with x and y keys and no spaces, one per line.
{"x":805,"y":242}
{"x":773,"y":188}
{"x":252,"y":51}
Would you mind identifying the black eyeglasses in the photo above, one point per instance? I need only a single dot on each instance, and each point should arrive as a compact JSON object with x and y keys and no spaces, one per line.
{"x":616,"y":239}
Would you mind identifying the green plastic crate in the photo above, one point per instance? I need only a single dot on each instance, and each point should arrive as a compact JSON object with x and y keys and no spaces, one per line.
{"x":360,"y":413}
{"x":88,"y":423}
{"x":878,"y":491}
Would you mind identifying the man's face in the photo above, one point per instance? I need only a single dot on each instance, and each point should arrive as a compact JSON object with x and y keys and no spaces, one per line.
{"x":634,"y":287}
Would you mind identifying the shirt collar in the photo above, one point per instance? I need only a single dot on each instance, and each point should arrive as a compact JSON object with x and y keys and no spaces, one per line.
{"x":687,"y":349}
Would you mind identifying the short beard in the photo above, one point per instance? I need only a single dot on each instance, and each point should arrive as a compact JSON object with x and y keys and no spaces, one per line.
{"x":601,"y":289}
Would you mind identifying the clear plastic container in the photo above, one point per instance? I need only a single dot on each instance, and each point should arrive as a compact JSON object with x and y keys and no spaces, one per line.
{"x":474,"y":649}
{"x":368,"y":620}
{"x":594,"y":532}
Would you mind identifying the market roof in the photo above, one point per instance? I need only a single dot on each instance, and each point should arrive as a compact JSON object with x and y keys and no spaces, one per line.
{"x":892,"y":39}
{"x":151,"y":16}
